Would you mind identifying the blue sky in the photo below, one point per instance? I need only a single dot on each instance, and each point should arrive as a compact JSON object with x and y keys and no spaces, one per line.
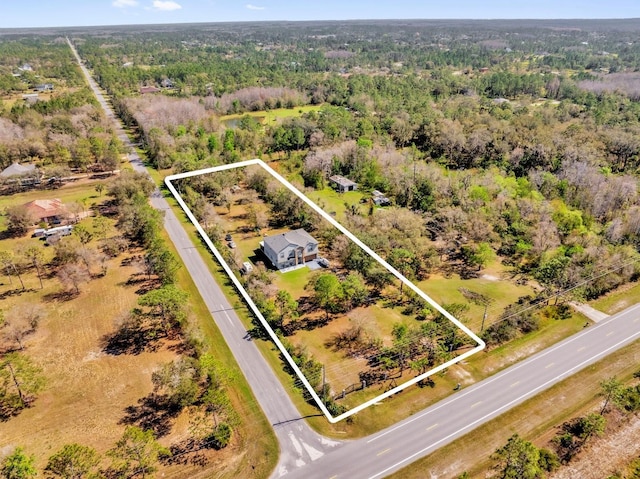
{"x":39,"y":13}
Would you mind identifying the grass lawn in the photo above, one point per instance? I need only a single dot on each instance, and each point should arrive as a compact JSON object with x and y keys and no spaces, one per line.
{"x":294,"y":281}
{"x":255,"y":443}
{"x":270,"y":117}
{"x":502,"y":293}
{"x":619,"y":299}
{"x":334,"y":203}
{"x":82,"y":192}
{"x":87,"y":389}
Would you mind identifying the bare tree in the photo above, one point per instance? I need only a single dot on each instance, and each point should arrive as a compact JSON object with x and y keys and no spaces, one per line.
{"x":72,"y":276}
{"x":35,"y":256}
{"x":22,"y":320}
{"x":11,"y":266}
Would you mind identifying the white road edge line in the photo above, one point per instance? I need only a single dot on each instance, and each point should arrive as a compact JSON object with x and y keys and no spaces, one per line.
{"x":481,"y":345}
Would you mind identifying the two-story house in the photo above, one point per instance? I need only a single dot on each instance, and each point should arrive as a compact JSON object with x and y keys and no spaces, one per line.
{"x":290,"y":248}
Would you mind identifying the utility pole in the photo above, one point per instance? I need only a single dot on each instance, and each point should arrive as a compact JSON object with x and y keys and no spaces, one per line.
{"x":484,"y":316}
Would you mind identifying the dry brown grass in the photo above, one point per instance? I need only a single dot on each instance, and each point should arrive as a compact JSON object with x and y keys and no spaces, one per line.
{"x":87,"y":390}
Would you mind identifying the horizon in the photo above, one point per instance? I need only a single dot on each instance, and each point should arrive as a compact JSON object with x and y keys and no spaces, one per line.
{"x":111,"y":13}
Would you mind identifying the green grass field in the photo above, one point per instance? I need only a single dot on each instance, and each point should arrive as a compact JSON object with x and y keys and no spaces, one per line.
{"x":501,"y":291}
{"x":618,"y":300}
{"x":270,"y":117}
{"x":334,"y":203}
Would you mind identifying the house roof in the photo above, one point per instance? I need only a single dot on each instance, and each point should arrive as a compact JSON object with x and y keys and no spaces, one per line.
{"x":297,"y":237}
{"x":16,"y":169}
{"x":46,"y":208}
{"x":149,"y":89}
{"x":342,"y":181}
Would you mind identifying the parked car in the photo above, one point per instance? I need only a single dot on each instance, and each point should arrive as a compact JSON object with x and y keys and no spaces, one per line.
{"x":231,"y":244}
{"x":324,"y":262}
{"x":228,"y":237}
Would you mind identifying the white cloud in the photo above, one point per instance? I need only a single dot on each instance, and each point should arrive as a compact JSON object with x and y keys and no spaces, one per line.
{"x":253,"y":7}
{"x":166,"y":6}
{"x":124,"y":3}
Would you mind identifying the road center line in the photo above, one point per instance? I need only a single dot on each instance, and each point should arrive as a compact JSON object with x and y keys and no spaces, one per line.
{"x":432,"y":426}
{"x":383,"y":452}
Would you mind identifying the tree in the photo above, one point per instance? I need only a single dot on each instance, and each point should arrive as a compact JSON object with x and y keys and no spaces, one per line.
{"x":518,"y":459}
{"x":72,"y":276}
{"x":287,"y":307}
{"x":22,"y":320}
{"x":35,"y":256}
{"x":402,"y":259}
{"x":19,"y":219}
{"x":612,"y":391}
{"x":18,"y":465}
{"x":136,"y":453}
{"x":328,"y":292}
{"x":589,"y":425}
{"x":100,"y":226}
{"x":83,"y":234}
{"x":20,"y":380}
{"x":354,"y":290}
{"x":167,"y":305}
{"x":73,"y":461}
{"x":11,"y":266}
{"x":478,"y":255}
{"x":178,"y":380}
{"x":100,"y":188}
{"x":161,"y":262}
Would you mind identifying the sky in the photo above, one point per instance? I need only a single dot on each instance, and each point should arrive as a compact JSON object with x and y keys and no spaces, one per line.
{"x":55,"y":13}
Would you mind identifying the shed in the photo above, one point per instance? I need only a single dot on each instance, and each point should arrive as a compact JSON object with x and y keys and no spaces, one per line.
{"x":342,"y":184}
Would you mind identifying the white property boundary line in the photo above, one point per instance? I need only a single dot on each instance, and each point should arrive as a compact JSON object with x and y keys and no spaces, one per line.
{"x":263,"y":321}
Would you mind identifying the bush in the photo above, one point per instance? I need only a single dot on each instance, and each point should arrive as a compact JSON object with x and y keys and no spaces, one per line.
{"x":220,"y":437}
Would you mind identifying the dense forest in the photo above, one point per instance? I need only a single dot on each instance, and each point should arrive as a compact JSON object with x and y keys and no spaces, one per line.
{"x":519,"y":137}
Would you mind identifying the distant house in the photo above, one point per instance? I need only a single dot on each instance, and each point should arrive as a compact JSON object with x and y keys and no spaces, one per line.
{"x":16,"y":169}
{"x":290,"y":249}
{"x":342,"y":184}
{"x":30,"y":97}
{"x":167,"y":83}
{"x":26,"y":68}
{"x":21,"y":175}
{"x":51,"y":211}
{"x":42,"y":87}
{"x":379,"y":199}
{"x":149,"y":89}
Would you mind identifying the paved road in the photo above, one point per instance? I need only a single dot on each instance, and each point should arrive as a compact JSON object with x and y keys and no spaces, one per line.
{"x":304,"y":454}
{"x":399,"y":445}
{"x":299,"y":445}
